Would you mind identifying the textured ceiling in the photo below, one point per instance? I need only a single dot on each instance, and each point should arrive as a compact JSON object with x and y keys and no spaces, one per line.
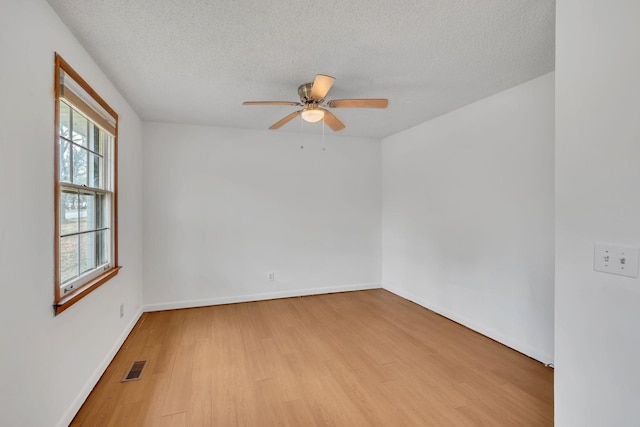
{"x":196,"y":61}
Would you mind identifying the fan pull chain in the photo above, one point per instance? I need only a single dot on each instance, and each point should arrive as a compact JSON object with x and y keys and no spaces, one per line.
{"x":324,"y":148}
{"x":301,"y":132}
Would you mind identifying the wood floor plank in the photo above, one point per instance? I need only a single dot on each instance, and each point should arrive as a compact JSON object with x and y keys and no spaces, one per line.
{"x":362,"y":358}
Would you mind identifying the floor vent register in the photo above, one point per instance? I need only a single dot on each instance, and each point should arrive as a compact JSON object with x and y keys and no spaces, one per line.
{"x":135,"y":371}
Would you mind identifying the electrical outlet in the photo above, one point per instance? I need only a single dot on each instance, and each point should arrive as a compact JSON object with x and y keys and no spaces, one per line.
{"x":121,"y":310}
{"x":272,"y":276}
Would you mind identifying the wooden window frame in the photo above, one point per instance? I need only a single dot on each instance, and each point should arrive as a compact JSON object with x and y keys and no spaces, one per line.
{"x":62,"y":302}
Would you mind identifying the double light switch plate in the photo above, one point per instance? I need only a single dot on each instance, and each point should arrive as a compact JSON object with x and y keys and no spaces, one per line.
{"x":614,"y":259}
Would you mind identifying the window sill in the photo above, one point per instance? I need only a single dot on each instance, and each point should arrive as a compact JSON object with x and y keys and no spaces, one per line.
{"x":84,"y":290}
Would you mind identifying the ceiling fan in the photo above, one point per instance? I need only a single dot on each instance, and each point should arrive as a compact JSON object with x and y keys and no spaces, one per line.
{"x":312,"y":100}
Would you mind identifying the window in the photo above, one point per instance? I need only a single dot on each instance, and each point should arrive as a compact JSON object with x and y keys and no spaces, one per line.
{"x":86,"y":247}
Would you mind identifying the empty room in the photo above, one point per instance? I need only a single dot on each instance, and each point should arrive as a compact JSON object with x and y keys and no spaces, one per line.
{"x":292,"y":213}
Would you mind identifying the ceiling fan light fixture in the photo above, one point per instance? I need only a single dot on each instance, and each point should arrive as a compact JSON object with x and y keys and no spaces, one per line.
{"x":312,"y":115}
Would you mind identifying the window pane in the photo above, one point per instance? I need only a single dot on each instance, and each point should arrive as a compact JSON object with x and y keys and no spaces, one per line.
{"x":65,"y":119}
{"x":65,"y":161}
{"x":80,"y":129}
{"x":87,"y":252}
{"x":96,"y":139}
{"x":68,"y":258}
{"x":80,"y":158}
{"x":106,"y":141}
{"x":102,"y":213}
{"x":102,"y":247}
{"x":68,"y":212}
{"x":95,"y":171}
{"x":87,"y":212}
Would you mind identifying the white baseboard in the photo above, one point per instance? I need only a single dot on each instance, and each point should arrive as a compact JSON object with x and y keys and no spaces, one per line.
{"x":258,"y":297}
{"x":95,"y":377}
{"x":501,"y":338}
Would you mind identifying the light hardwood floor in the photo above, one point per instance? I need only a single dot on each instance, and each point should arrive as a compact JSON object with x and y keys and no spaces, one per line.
{"x":367,"y":358}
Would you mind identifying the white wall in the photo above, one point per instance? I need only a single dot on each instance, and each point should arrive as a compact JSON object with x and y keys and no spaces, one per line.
{"x":224,"y":207}
{"x":597,"y":379}
{"x":468,"y":216}
{"x":48,"y":364}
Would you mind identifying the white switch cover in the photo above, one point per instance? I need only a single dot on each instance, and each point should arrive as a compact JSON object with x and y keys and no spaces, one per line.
{"x":622,"y":260}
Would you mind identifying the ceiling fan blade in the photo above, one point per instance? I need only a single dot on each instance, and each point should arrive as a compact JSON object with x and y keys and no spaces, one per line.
{"x":286,"y":120}
{"x":358,"y":103}
{"x":321,"y":86}
{"x":332,"y":121}
{"x":270,"y":103}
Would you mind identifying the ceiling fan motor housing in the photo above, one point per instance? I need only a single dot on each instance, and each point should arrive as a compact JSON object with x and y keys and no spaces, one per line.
{"x":304,"y":91}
